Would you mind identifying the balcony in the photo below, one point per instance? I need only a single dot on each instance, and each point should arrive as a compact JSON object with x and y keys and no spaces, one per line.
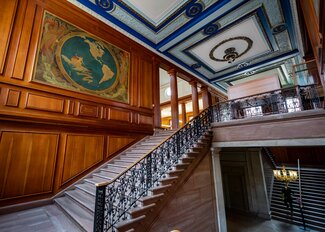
{"x":288,"y":100}
{"x":290,"y":116}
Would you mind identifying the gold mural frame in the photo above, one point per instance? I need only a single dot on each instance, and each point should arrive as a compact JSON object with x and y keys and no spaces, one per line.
{"x":49,"y":68}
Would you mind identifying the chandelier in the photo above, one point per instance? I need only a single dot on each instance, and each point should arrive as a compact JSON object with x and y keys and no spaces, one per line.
{"x":285,"y":175}
{"x":231,"y":55}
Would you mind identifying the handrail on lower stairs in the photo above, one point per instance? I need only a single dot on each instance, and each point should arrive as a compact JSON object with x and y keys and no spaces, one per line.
{"x":116,"y":197}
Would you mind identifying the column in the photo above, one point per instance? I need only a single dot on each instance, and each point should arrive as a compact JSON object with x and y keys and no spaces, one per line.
{"x":206,"y":97}
{"x":156,"y":100}
{"x":184,"y":113}
{"x":195,"y":98}
{"x":220,"y":203}
{"x":260,"y":201}
{"x":174,"y":98}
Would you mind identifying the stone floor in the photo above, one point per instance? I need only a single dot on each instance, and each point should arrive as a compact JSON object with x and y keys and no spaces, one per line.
{"x":243,"y":223}
{"x":50,"y":219}
{"x":42,"y":219}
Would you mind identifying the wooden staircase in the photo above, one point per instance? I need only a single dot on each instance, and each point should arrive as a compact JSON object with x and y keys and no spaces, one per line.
{"x":78,"y":202}
{"x":313,"y":195}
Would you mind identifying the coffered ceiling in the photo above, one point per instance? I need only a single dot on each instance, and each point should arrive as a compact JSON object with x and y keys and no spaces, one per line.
{"x":222,"y":42}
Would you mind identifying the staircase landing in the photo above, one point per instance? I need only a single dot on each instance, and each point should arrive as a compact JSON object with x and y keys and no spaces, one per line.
{"x":46,"y":218}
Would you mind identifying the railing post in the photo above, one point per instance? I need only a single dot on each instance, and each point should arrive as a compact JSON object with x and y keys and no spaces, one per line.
{"x":99,"y":209}
{"x":178,"y":141}
{"x":149,"y":172}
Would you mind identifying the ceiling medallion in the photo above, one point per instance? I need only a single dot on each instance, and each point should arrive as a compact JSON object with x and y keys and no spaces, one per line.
{"x":249,"y":73}
{"x":230,"y":53}
{"x":105,"y":4}
{"x":211,"y":29}
{"x":279,"y":28}
{"x":243,"y":65}
{"x":196,"y":66}
{"x":194,"y":10}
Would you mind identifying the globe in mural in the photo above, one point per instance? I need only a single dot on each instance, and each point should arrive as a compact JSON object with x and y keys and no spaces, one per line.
{"x":86,"y":62}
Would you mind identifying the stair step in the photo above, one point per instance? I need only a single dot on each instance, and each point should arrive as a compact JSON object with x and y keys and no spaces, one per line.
{"x":176,"y":172}
{"x":102,"y":175}
{"x":187,"y":159}
{"x":96,"y":180}
{"x":123,"y":162}
{"x":313,"y":195}
{"x":132,"y":155}
{"x":151,"y":199}
{"x":129,"y":158}
{"x":128,"y":225}
{"x":308,"y":209}
{"x":297,"y":217}
{"x":182,"y":165}
{"x":193,"y":153}
{"x":138,"y":151}
{"x":139,"y":211}
{"x":84,"y":199}
{"x":116,"y":168}
{"x":150,"y":143}
{"x":80,"y":215}
{"x":168,"y":180}
{"x":160,"y":189}
{"x":87,"y":187}
{"x":110,"y":173}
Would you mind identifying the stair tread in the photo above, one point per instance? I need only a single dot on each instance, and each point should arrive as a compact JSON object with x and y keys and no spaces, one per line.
{"x":128,"y":222}
{"x":116,"y":165}
{"x":83,"y":217}
{"x":96,"y":180}
{"x":313,"y":195}
{"x":82,"y":198}
{"x":87,"y":187}
{"x":142,"y":208}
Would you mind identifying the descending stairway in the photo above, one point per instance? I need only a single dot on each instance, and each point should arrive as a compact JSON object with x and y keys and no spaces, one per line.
{"x":313,"y":195}
{"x":78,"y":202}
{"x":142,"y":216}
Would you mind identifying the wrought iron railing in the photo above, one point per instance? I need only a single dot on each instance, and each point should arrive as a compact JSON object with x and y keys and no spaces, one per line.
{"x":286,"y":100}
{"x":114,"y":199}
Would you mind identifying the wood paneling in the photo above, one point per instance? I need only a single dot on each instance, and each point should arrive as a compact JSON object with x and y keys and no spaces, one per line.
{"x":81,"y":153}
{"x":13,"y":98}
{"x":116,"y":143}
{"x":253,"y":87}
{"x":87,"y":110}
{"x":24,"y":42}
{"x":27,"y":163}
{"x":8,"y":12}
{"x":44,"y":103}
{"x":144,"y":119}
{"x":145,"y":83}
{"x":118,"y":115}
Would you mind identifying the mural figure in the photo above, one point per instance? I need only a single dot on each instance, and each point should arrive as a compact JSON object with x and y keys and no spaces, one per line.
{"x":71,"y":58}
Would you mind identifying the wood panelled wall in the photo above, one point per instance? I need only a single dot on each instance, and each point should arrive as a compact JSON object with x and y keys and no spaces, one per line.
{"x":50,"y":137}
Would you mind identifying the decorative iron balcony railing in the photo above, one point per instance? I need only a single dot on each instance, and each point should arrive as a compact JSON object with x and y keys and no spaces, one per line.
{"x":115,"y":198}
{"x":280,"y":101}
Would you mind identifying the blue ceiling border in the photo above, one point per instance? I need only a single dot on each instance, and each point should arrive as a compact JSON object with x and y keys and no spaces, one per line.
{"x":278,"y":58}
{"x":118,"y":23}
{"x":266,"y":30}
{"x":147,"y":23}
{"x":216,"y":6}
{"x":288,"y":17}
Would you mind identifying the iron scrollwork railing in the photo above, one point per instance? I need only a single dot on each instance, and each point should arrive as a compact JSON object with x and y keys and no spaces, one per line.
{"x":115,"y":198}
{"x":286,"y":100}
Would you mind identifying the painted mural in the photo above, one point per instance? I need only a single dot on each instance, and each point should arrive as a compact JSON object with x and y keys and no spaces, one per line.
{"x":71,"y":58}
